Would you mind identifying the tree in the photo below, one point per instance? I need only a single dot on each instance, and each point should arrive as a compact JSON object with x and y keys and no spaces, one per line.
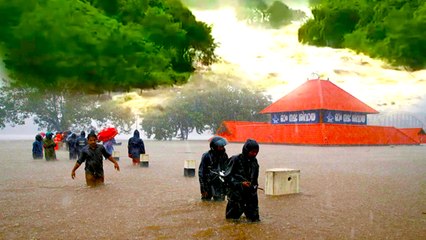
{"x":390,"y":29}
{"x":158,"y":126}
{"x":60,"y":111}
{"x":204,"y":111}
{"x":279,"y":14}
{"x":102,"y":45}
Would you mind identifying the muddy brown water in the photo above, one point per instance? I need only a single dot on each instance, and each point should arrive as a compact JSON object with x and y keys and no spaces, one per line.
{"x":346,"y":193}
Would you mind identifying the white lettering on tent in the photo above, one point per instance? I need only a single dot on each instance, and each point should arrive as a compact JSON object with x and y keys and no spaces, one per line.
{"x":284,"y":118}
{"x":307,"y":117}
{"x":346,"y":118}
{"x":293,"y":117}
{"x":312,"y":117}
{"x":356,"y":118}
{"x":338,"y":117}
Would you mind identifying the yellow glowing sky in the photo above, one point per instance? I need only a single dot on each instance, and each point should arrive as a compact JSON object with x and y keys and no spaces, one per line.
{"x":274,"y":61}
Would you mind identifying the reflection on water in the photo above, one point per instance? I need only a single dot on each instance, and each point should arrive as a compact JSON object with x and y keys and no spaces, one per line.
{"x":346,"y":193}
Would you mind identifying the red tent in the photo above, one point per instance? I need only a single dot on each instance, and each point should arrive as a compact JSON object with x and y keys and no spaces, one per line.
{"x":319,"y":100}
{"x":417,"y":134}
{"x":314,"y":134}
{"x":318,"y":94}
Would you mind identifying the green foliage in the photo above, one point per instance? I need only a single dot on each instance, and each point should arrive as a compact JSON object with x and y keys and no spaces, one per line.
{"x":330,"y":26}
{"x":96,"y":46}
{"x":279,"y":14}
{"x":390,"y":29}
{"x":202,"y":111}
{"x":273,"y":14}
{"x":59,"y":111}
{"x":202,"y":4}
{"x":9,"y":113}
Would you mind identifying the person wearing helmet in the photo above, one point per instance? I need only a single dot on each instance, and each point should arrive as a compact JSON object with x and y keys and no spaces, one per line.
{"x":212,"y":164}
{"x":241,"y":177}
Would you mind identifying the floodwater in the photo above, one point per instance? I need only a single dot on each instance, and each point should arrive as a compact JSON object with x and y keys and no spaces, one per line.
{"x":346,"y":193}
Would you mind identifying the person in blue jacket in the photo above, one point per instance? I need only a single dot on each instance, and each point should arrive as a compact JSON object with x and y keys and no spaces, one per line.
{"x":38,"y":147}
{"x":72,"y":146}
{"x":81,"y":143}
{"x":109,"y":145}
{"x":135,"y":147}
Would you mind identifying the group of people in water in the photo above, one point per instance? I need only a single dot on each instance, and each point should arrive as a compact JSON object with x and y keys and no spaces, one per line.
{"x":234,"y":178}
{"x":48,"y":143}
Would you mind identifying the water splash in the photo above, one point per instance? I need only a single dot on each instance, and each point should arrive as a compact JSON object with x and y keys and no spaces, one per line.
{"x":273,"y":61}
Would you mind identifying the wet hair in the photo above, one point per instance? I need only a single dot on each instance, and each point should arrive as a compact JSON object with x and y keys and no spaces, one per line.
{"x":92,"y":134}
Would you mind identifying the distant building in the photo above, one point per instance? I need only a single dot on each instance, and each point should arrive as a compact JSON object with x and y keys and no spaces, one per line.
{"x":319,"y":113}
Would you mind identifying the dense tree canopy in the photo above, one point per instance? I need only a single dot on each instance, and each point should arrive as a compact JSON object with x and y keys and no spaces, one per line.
{"x":60,"y":111}
{"x":96,"y":45}
{"x":205,"y":110}
{"x":390,"y":29}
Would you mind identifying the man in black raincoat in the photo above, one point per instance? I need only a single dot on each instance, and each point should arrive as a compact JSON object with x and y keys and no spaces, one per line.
{"x":212,"y":163}
{"x":72,"y":146}
{"x":38,"y":147}
{"x":241,"y":177}
{"x":135,"y":148}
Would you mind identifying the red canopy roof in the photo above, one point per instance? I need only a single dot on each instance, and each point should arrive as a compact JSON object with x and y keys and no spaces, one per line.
{"x":318,"y":94}
{"x":417,"y":134}
{"x":314,"y":134}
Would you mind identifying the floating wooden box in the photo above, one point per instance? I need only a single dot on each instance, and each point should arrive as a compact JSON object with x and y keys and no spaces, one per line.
{"x":281,"y":181}
{"x":144,"y":160}
{"x":189,"y":168}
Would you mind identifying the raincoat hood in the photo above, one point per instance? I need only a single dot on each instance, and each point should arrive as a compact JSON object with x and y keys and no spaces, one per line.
{"x":49,"y":135}
{"x":136,"y":134}
{"x":38,"y":137}
{"x":250,"y":145}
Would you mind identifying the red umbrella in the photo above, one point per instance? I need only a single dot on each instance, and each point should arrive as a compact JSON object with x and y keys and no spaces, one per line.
{"x":107,"y":134}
